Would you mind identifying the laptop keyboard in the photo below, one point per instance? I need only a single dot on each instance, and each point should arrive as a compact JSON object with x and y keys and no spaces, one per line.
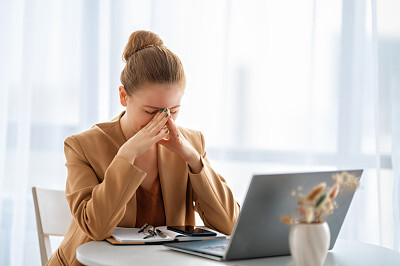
{"x":219,"y":248}
{"x":215,"y":247}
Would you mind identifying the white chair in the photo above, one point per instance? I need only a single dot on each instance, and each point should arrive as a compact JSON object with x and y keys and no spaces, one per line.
{"x":53,"y":217}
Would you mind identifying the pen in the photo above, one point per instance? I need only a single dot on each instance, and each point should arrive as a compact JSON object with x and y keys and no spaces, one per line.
{"x":143,"y":228}
{"x":151,"y":234}
{"x":160,"y":233}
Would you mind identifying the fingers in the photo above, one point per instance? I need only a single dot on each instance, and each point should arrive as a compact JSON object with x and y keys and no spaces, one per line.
{"x":161,"y":135}
{"x":158,"y":126}
{"x":172,"y":126}
{"x":157,"y":122}
{"x":156,"y":118}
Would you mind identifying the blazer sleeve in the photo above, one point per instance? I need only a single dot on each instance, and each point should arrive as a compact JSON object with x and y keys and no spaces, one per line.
{"x":98,"y":207}
{"x":212,"y":197}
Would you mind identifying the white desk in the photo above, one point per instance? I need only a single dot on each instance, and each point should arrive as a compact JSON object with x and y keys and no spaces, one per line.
{"x":345,"y":253}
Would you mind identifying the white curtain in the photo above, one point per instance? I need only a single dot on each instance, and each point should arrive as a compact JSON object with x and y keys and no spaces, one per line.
{"x":275,"y":86}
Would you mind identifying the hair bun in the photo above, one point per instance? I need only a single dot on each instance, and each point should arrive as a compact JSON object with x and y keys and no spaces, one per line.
{"x":139,"y":40}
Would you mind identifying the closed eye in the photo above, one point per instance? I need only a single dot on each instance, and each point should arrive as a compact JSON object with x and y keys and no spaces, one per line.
{"x":156,"y":111}
{"x":151,"y":113}
{"x":174,"y":110}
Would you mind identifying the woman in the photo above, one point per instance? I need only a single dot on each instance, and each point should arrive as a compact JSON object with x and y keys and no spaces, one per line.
{"x":140,"y":167}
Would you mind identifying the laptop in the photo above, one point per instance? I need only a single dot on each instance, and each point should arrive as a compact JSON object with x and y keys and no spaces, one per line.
{"x":258,"y":231}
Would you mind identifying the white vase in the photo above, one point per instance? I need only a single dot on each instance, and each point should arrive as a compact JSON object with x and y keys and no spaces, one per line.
{"x":309,"y":243}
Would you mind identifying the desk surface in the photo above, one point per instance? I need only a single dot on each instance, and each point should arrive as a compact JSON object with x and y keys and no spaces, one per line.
{"x":345,"y":253}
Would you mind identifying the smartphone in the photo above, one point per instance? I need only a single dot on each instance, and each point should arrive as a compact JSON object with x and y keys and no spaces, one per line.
{"x":191,"y":230}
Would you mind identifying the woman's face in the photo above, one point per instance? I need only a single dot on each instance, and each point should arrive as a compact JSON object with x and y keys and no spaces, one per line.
{"x":144,"y":104}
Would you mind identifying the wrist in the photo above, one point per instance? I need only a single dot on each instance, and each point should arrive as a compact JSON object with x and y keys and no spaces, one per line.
{"x":130,"y":157}
{"x":192,"y":156}
{"x":194,"y":163}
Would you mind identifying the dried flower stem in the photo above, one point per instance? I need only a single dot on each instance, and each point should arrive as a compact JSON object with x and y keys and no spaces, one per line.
{"x":320,"y":202}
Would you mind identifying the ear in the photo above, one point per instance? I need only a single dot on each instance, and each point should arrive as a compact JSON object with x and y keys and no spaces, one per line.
{"x":123,"y":96}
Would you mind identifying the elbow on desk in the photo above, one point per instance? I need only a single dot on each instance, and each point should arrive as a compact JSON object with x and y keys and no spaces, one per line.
{"x":98,"y":235}
{"x":94,"y":226}
{"x":96,"y":232}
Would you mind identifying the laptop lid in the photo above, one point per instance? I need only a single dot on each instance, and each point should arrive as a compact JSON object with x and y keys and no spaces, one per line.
{"x":258,"y":232}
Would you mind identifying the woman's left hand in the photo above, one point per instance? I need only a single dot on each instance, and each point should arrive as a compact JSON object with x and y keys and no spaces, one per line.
{"x":178,"y":144}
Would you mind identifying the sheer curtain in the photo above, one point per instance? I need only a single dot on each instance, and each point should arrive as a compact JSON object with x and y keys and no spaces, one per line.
{"x":275,"y":86}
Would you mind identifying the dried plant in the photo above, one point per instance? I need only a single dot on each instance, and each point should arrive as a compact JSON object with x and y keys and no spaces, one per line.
{"x":320,"y":201}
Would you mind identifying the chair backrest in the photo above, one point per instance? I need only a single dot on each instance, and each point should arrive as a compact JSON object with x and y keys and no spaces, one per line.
{"x":53,"y":217}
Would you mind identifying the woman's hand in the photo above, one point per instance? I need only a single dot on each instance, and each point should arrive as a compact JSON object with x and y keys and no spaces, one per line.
{"x":178,"y":144}
{"x":149,"y":135}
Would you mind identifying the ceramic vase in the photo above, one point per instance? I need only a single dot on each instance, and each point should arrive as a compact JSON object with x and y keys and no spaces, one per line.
{"x":309,"y":243}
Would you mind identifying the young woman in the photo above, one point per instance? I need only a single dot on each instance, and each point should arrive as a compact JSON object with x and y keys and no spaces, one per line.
{"x":141,"y":167}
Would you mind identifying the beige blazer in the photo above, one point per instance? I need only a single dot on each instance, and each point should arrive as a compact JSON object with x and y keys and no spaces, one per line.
{"x":101,"y":189}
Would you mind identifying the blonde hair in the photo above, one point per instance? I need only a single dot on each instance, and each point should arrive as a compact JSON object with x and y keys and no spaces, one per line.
{"x":149,"y":61}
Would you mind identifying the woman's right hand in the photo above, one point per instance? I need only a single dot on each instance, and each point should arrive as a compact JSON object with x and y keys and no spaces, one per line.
{"x":149,"y":135}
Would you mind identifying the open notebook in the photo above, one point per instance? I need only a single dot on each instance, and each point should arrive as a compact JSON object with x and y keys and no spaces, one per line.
{"x":123,"y":235}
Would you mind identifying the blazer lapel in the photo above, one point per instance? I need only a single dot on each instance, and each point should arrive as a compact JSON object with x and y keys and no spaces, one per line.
{"x":173,"y":173}
{"x":114,"y":132}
